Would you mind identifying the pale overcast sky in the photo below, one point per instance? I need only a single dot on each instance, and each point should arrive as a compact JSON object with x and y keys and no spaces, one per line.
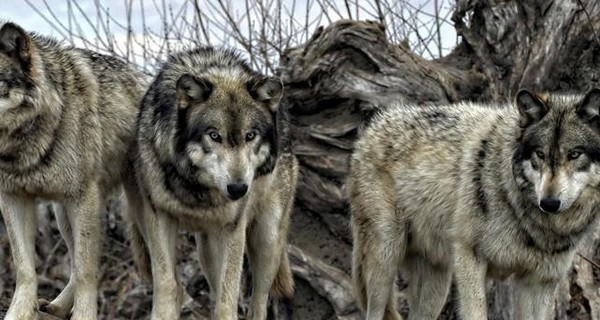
{"x":21,"y":12}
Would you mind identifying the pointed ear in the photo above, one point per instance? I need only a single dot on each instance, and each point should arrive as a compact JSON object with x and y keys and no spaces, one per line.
{"x":267,"y":90}
{"x":190,"y":89}
{"x":531,"y":108}
{"x":15,"y":43}
{"x":588,"y":108}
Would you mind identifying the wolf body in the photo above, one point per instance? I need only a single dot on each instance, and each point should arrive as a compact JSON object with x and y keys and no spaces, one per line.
{"x":473,"y":191}
{"x":67,"y":118}
{"x":210,"y":158}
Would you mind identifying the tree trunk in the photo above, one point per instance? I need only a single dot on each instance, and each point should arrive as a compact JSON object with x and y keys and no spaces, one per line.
{"x":348,"y":69}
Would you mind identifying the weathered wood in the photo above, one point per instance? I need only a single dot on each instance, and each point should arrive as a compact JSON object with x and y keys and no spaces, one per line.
{"x":347,"y":70}
{"x":330,"y":282}
{"x":539,"y":44}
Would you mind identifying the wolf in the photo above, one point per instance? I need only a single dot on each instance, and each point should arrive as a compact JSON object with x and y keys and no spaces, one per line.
{"x":212,"y":156}
{"x":473,"y":191}
{"x":67,"y":119}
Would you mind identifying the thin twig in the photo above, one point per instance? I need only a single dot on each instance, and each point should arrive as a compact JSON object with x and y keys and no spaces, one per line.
{"x":590,"y":261}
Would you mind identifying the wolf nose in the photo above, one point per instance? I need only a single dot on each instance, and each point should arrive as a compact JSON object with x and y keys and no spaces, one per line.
{"x":237,"y":190}
{"x":550,"y":205}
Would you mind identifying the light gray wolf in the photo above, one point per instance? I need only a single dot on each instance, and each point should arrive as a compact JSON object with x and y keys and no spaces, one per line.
{"x":473,"y":191}
{"x":67,"y":118}
{"x":212,"y":156}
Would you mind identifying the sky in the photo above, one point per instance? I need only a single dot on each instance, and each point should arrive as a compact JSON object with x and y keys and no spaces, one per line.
{"x":86,"y":13}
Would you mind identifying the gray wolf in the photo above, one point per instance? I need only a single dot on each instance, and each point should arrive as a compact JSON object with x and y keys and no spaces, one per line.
{"x":473,"y":191}
{"x":212,"y":157}
{"x":67,"y":118}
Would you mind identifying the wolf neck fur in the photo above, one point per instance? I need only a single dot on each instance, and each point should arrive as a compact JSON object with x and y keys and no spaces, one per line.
{"x":188,"y":191}
{"x":29,"y":139}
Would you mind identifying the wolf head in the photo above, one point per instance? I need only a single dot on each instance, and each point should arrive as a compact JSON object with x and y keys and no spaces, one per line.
{"x":227,"y":129}
{"x":560,"y":148}
{"x":16,"y":48}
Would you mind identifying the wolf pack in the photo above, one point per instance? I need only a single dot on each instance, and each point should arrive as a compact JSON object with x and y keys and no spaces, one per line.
{"x":442,"y":194}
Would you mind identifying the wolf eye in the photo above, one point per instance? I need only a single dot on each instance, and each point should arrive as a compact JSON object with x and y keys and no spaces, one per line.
{"x":540,"y":154}
{"x":573,"y":154}
{"x":250,"y":136}
{"x":3,"y":88}
{"x":214,"y":136}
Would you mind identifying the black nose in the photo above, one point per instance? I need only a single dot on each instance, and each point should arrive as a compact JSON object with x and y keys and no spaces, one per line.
{"x":237,"y":190}
{"x":550,"y":205}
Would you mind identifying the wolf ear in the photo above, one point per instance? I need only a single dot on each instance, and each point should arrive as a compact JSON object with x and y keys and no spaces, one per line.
{"x":15,"y":43}
{"x":267,"y":90}
{"x":190,"y":88}
{"x":588,"y":108}
{"x":531,"y":108}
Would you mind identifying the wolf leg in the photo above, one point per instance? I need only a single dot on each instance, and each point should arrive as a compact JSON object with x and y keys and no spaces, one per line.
{"x":160,"y":232}
{"x":533,"y":299}
{"x":231,"y":272}
{"x":428,"y":288}
{"x":266,"y":244}
{"x":21,"y":224}
{"x":380,"y":268}
{"x":84,"y":215}
{"x":211,"y":250}
{"x":379,"y":242}
{"x":62,"y":305}
{"x":470,"y":274}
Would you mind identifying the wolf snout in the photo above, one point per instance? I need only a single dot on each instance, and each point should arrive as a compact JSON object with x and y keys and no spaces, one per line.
{"x":237,"y":190}
{"x":550,"y":205}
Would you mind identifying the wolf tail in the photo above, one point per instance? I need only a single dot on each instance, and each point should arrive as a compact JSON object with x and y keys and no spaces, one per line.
{"x":283,"y":285}
{"x":141,"y":256}
{"x":360,"y":285}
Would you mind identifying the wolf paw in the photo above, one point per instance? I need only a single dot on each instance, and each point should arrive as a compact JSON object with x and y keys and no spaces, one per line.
{"x":52,"y":309}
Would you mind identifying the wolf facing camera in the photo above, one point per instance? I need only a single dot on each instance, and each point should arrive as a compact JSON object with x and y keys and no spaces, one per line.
{"x":212,"y":157}
{"x":473,"y":191}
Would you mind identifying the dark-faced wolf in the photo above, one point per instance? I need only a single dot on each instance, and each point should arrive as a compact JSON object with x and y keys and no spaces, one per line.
{"x":210,"y":158}
{"x":473,"y":191}
{"x":67,"y":118}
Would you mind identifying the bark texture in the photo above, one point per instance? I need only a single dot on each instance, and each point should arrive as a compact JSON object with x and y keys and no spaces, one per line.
{"x":348,"y":69}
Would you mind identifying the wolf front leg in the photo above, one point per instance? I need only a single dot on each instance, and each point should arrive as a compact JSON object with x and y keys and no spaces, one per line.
{"x":160,"y":233}
{"x":21,"y":224}
{"x":470,"y":273}
{"x":533,"y":298}
{"x":231,"y":272}
{"x":84,"y":214}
